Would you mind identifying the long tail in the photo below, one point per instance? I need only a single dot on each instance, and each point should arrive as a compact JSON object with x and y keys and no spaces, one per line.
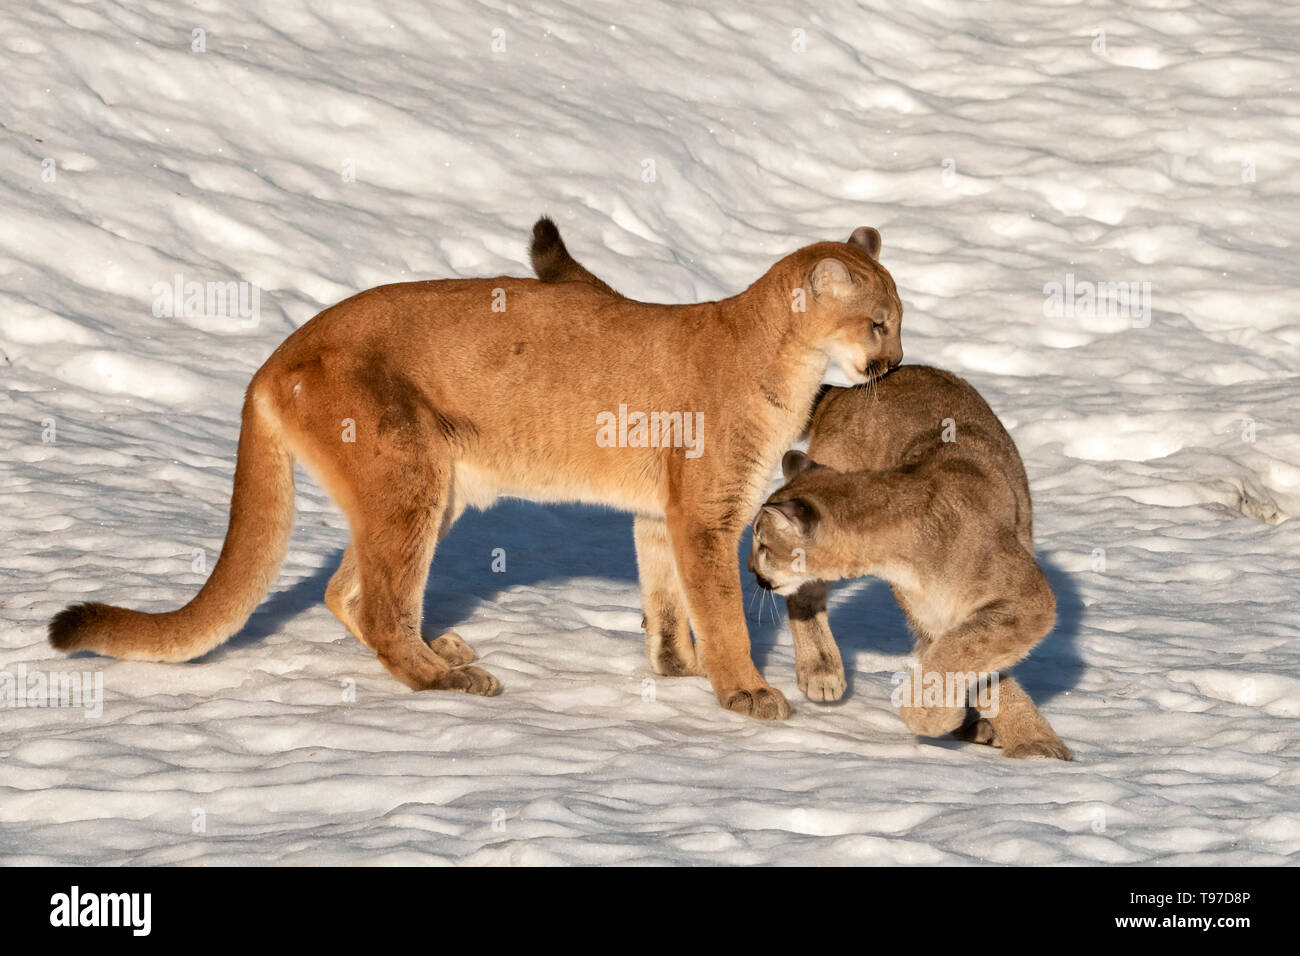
{"x":261,"y":519}
{"x":552,"y":262}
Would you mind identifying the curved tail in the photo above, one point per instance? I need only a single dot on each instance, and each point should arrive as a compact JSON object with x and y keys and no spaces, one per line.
{"x":552,"y":262}
{"x":261,"y":519}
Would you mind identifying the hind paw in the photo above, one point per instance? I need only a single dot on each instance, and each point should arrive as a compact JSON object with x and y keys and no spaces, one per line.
{"x":932,"y":721}
{"x":469,"y":680}
{"x":979,"y":731}
{"x":452,"y":649}
{"x":669,"y":663}
{"x":1040,"y":747}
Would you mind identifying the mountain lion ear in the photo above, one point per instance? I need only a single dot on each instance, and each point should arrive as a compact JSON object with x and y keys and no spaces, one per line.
{"x":794,"y":464}
{"x":830,"y":277}
{"x":867,"y":239}
{"x":797,"y":513}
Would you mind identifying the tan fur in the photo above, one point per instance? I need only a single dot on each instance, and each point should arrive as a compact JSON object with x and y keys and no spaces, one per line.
{"x":261,"y":519}
{"x":455,"y":403}
{"x":665,"y":619}
{"x":946,"y":523}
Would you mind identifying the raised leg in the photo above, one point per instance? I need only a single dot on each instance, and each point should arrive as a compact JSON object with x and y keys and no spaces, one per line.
{"x":998,"y":634}
{"x":667,"y":625}
{"x":816,"y":657}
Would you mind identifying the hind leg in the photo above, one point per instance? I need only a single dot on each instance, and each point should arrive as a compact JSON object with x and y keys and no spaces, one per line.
{"x":343,"y":594}
{"x":998,"y":634}
{"x":1015,"y":725}
{"x":451,"y":647}
{"x":993,"y":637}
{"x":667,"y":625}
{"x":936,"y":702}
{"x":402,"y":506}
{"x":343,"y":598}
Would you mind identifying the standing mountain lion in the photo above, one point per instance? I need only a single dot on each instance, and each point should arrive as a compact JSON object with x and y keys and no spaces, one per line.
{"x":410,"y":402}
{"x":916,"y":482}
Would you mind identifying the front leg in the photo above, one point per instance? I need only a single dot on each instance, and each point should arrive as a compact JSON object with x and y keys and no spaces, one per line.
{"x":816,"y":657}
{"x":667,"y":625}
{"x":706,"y":559}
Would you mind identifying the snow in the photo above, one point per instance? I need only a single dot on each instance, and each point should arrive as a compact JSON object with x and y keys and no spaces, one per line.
{"x":998,"y":146}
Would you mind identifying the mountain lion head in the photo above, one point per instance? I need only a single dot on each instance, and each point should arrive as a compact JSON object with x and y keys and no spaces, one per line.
{"x":793,"y":541}
{"x":854,"y":298}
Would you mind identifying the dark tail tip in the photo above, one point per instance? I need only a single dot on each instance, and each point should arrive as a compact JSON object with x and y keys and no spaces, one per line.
{"x":552,"y":261}
{"x":550,"y":258}
{"x":68,"y":629}
{"x":546,"y":233}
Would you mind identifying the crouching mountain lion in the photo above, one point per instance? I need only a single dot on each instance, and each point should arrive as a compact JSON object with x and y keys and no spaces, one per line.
{"x":939,"y":510}
{"x":918,"y":484}
{"x":410,"y":402}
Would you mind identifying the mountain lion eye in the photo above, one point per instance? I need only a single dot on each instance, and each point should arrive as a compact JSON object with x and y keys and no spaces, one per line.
{"x":878,"y":326}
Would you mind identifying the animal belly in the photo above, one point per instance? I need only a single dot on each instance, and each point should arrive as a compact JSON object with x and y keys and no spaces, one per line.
{"x":625,"y":485}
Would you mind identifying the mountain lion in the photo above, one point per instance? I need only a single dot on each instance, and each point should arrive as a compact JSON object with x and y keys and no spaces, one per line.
{"x":410,"y":402}
{"x":917,"y":482}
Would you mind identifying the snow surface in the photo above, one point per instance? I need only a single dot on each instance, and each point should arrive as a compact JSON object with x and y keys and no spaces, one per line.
{"x":1167,"y":157}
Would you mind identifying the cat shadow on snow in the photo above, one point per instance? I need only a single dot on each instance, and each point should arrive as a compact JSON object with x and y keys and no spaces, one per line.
{"x":545,"y":545}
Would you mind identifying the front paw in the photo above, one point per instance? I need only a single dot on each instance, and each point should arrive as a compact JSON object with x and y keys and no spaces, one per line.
{"x":932,"y":721}
{"x":822,"y":684}
{"x":765,"y":703}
